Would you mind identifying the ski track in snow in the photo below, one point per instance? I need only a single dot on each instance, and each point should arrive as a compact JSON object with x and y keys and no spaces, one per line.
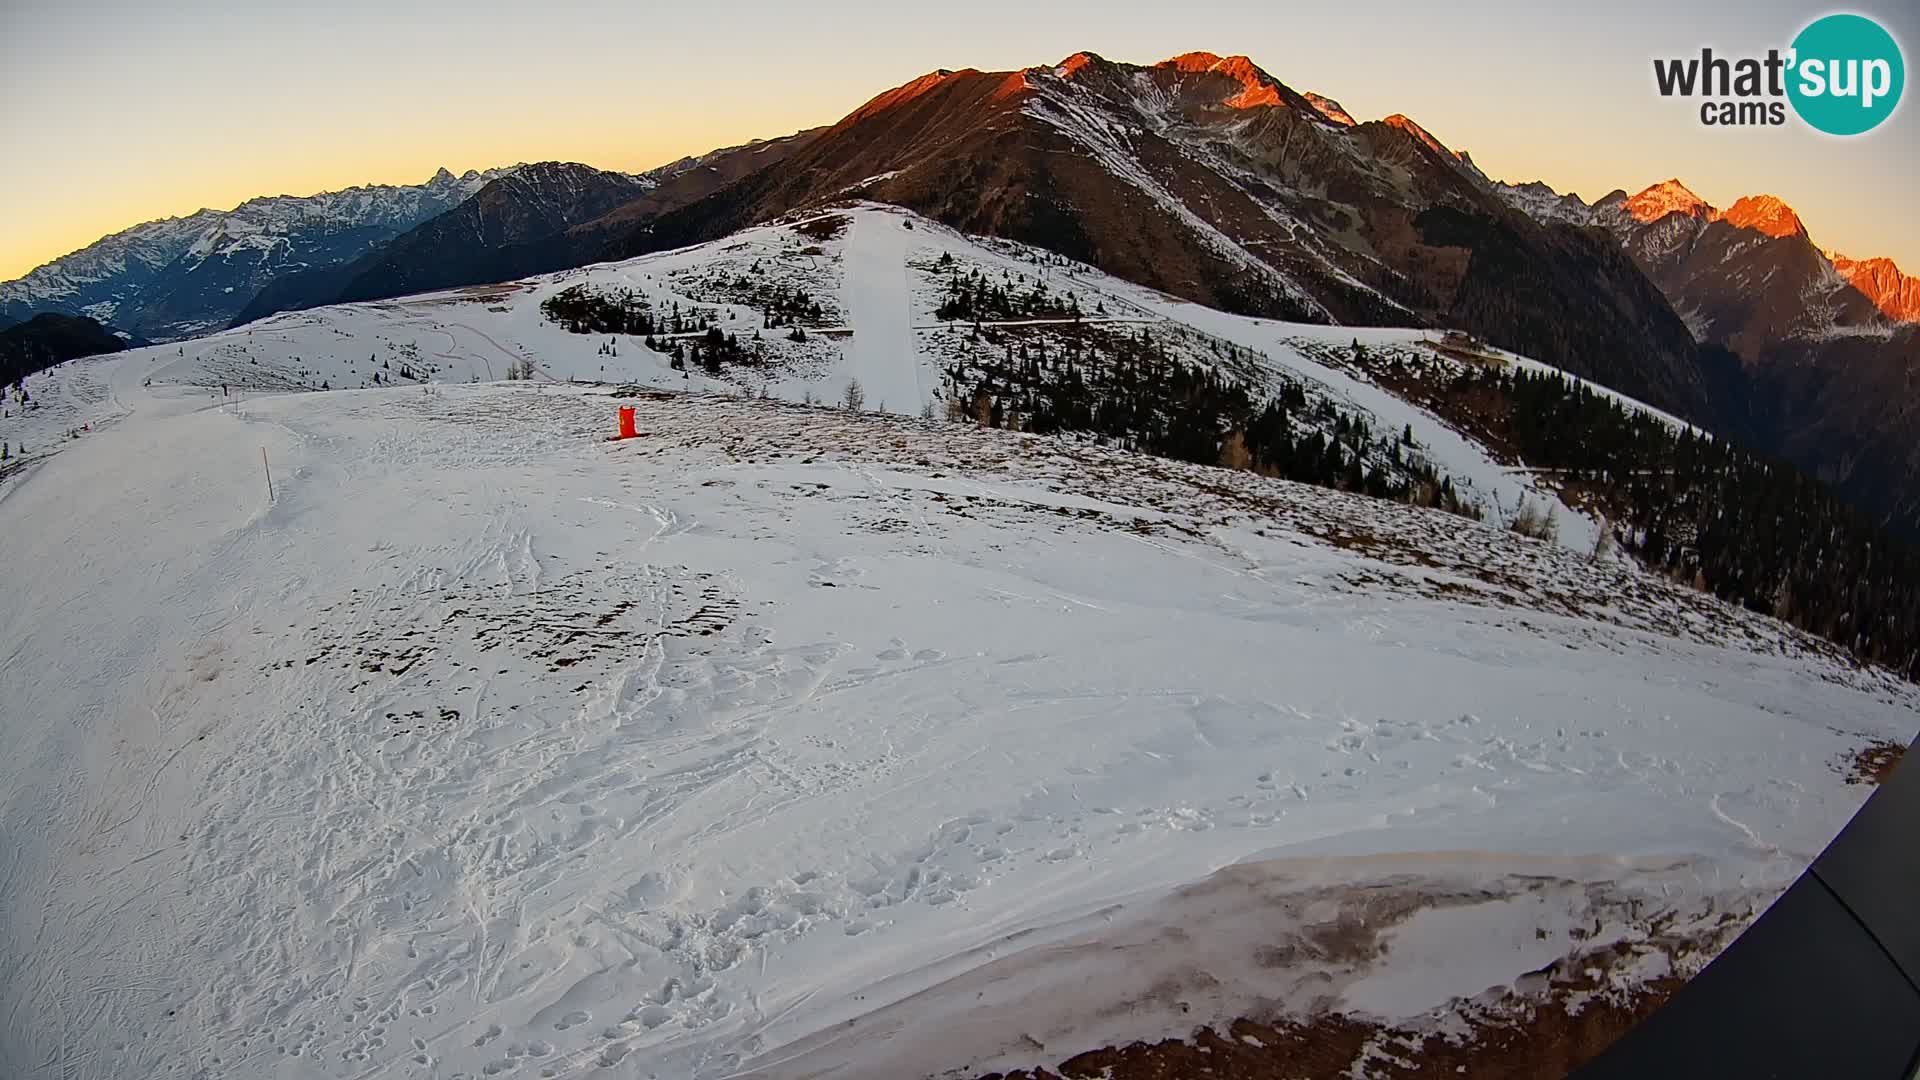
{"x":883,"y":353}
{"x":485,"y":747}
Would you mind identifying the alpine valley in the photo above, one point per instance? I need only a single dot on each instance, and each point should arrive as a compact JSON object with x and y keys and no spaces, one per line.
{"x":1109,"y":570}
{"x":1201,"y":176}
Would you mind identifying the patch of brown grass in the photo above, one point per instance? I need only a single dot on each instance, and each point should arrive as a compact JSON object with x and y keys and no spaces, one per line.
{"x":1873,"y":763}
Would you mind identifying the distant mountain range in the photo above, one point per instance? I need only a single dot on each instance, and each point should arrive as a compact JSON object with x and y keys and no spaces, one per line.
{"x":186,"y":276}
{"x":534,"y":219}
{"x":1721,"y":270}
{"x":1203,"y":176}
{"x":1826,"y":348}
{"x":183,"y":276}
{"x":483,"y":238}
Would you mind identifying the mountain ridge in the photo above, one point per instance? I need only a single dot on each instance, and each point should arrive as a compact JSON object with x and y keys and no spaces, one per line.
{"x":547,"y":216}
{"x":175,"y":277}
{"x":1207,"y":177}
{"x":1893,"y":291}
{"x":1202,"y":175}
{"x":1822,"y":352}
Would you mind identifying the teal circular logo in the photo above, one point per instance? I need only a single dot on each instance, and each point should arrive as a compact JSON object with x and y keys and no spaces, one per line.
{"x":1847,"y":74}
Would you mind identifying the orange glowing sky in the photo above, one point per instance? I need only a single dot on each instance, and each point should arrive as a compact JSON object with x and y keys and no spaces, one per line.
{"x":116,"y":112}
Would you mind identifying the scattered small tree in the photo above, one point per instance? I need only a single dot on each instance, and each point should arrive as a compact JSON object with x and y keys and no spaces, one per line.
{"x":1604,"y":543}
{"x":1233,"y":452}
{"x":1535,"y":520}
{"x":1783,"y":606}
{"x":983,"y":407}
{"x":854,"y":397}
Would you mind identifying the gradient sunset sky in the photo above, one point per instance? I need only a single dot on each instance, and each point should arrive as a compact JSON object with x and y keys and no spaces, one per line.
{"x":114,"y":113}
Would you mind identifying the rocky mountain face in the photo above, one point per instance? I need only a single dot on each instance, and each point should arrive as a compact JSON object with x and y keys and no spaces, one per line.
{"x":1210,"y":179}
{"x":1896,"y":294}
{"x":1822,"y":352}
{"x":1744,"y":278}
{"x":177,"y":277}
{"x":1722,"y":268}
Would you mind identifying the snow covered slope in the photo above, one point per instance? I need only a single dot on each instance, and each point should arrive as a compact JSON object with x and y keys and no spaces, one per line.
{"x":876,"y":271}
{"x":485,"y":746}
{"x":1539,"y":201}
{"x":781,"y":740}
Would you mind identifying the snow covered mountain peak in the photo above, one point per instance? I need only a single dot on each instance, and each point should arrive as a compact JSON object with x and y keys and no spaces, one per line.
{"x":570,"y":175}
{"x":1175,"y":174}
{"x":175,"y":277}
{"x":1073,"y":65}
{"x":1421,"y":135}
{"x":1892,"y":290}
{"x":1195,"y":79}
{"x":1669,"y":197}
{"x":1764,"y":213}
{"x":1641,"y":224}
{"x":1330,"y":109}
{"x":1257,"y":88}
{"x":1448,"y":156}
{"x":1538,"y":200}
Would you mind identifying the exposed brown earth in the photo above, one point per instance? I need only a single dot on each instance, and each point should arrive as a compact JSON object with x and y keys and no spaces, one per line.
{"x":1874,"y":763}
{"x":1547,"y":1036}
